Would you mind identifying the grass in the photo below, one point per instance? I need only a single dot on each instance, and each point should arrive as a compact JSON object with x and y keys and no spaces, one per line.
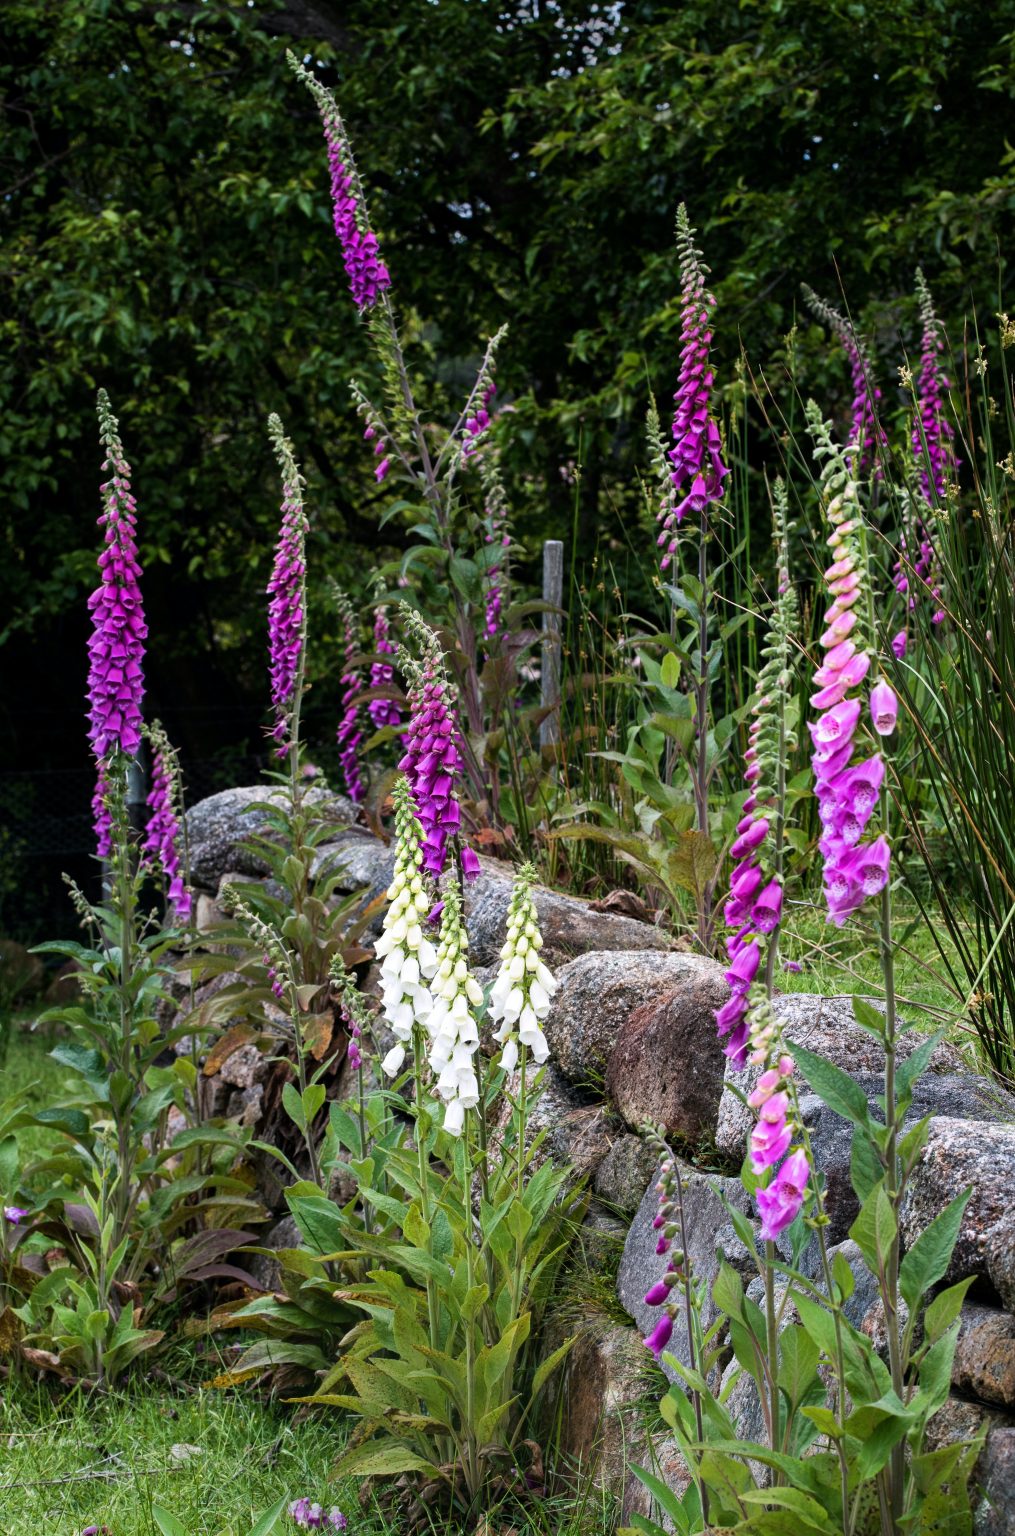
{"x":213,"y":1459}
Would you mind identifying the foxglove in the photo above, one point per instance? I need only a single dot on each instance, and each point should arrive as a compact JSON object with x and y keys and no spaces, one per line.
{"x":368,"y":276}
{"x":116,"y":645}
{"x":754,"y":908}
{"x":160,"y":849}
{"x":847,"y":790}
{"x":521,"y":992}
{"x":383,"y":712}
{"x":349,"y":735}
{"x":408,"y":958}
{"x":451,"y":1023}
{"x":697,"y":470}
{"x":287,"y":608}
{"x":865,"y":429}
{"x":432,"y":760}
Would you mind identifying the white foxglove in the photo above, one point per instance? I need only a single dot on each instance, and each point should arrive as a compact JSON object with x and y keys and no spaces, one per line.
{"x":408,"y":958}
{"x":521,"y":994}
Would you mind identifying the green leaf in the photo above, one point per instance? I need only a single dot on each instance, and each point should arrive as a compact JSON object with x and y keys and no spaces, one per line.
{"x":669,"y":672}
{"x":840,"y":1091}
{"x":928,"y":1257}
{"x":292,"y":1103}
{"x":865,"y":1169}
{"x":167,"y":1523}
{"x":267,"y":1522}
{"x":869,"y":1018}
{"x":914,"y":1066}
{"x":313,"y":1097}
{"x":945,"y":1308}
{"x":381,"y":1459}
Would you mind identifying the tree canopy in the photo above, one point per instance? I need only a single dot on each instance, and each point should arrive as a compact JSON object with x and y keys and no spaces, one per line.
{"x":166,"y":234}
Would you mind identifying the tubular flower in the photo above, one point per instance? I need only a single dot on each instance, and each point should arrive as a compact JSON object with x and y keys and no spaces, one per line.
{"x":101,"y":817}
{"x":697,"y":470}
{"x":432,"y":761}
{"x":451,"y":1024}
{"x":779,"y":1203}
{"x":287,"y":607}
{"x":847,"y":792}
{"x":408,"y":959}
{"x":865,"y":430}
{"x":383,"y":711}
{"x":521,"y":993}
{"x":754,"y":908}
{"x":161,"y":846}
{"x":367,"y":274}
{"x":349,"y":735}
{"x":476,"y":424}
{"x":314,"y":1517}
{"x":116,"y":645}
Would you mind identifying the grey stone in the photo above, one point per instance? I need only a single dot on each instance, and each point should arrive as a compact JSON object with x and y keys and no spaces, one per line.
{"x":598,"y":993}
{"x":704,"y":1216}
{"x":865,"y":1288}
{"x":569,"y":926}
{"x":995,"y":1474}
{"x":826,"y":1026}
{"x":623,"y":1173}
{"x":667,"y":1065}
{"x":961,"y":1155}
{"x":218,"y":826}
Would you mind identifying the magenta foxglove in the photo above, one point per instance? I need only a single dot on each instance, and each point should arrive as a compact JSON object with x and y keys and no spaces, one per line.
{"x":116,"y":645}
{"x":287,"y":607}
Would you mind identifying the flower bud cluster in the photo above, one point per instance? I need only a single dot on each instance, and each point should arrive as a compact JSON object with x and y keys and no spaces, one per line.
{"x":349,"y":736}
{"x":451,"y":1024}
{"x":521,"y":994}
{"x":666,"y":1223}
{"x":865,"y":429}
{"x":353,"y":1010}
{"x":408,"y":959}
{"x":287,"y":591}
{"x":102,"y":819}
{"x":161,"y":846}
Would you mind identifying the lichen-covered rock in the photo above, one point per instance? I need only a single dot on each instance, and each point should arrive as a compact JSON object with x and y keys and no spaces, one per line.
{"x":569,"y":927}
{"x":667,"y":1065}
{"x":623,"y":1173}
{"x":218,"y":826}
{"x":609,"y":1377}
{"x":826,"y":1026}
{"x":984,"y":1364}
{"x":704,"y":1216}
{"x":960,"y":1155}
{"x":598,"y":993}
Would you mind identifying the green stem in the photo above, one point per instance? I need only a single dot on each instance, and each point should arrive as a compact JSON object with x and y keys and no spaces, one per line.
{"x":472,"y":1471}
{"x":424,"y":1175}
{"x":692,"y":1351}
{"x":772,"y":1335}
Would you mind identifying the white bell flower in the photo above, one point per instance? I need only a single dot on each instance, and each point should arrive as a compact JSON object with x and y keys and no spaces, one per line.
{"x":521,"y":993}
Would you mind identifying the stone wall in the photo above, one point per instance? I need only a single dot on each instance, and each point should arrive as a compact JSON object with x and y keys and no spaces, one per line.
{"x":633,"y":1038}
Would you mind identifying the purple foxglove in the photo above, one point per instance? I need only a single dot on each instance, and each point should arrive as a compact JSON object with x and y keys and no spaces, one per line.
{"x":368,"y":276}
{"x":116,"y":645}
{"x":287,"y":595}
{"x":160,"y":849}
{"x":697,"y":473}
{"x":865,"y":429}
{"x":660,"y":1335}
{"x":383,"y":712}
{"x":349,"y":736}
{"x":780,"y":1203}
{"x":884,"y":708}
{"x":766,"y":912}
